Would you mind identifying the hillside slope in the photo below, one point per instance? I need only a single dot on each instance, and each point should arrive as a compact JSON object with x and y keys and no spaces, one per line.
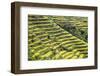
{"x":48,"y":41}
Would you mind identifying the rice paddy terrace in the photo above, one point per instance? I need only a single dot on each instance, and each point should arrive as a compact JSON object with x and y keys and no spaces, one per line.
{"x":49,"y":38}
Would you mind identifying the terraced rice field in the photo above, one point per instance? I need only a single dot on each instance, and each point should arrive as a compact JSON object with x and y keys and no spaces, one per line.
{"x":53,"y":37}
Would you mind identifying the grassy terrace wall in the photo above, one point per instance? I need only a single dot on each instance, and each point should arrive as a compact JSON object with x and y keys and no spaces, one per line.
{"x":57,"y":37}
